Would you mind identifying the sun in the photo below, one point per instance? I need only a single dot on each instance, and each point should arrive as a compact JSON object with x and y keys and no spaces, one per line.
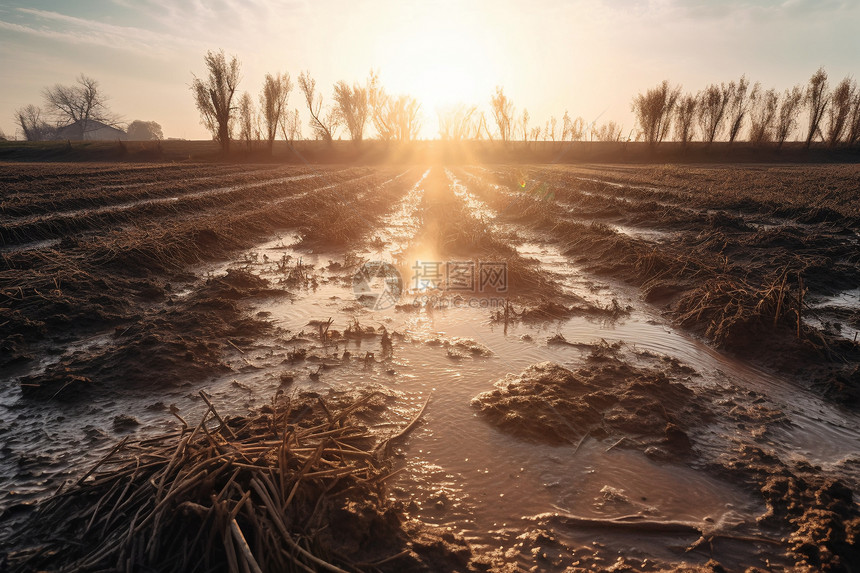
{"x":442,"y":67}
{"x":440,"y":60}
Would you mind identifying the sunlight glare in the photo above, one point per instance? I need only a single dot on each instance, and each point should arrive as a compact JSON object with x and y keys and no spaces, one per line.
{"x":441,"y":59}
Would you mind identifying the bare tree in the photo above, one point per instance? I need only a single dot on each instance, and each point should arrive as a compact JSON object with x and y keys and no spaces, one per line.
{"x":247,"y":120}
{"x":352,"y":107}
{"x":144,"y":131}
{"x":654,"y":111}
{"x":503,"y":113}
{"x":323,"y":127}
{"x":524,"y":124}
{"x":764,"y":106}
{"x":816,"y":99}
{"x":685,"y":113}
{"x":404,"y":113}
{"x":29,"y":119}
{"x":385,"y":116}
{"x":737,"y":106}
{"x":273,"y":104}
{"x":456,"y":123}
{"x":573,"y":130}
{"x":552,"y":127}
{"x":409,"y":118}
{"x":214,"y":96}
{"x":565,"y":126}
{"x":483,"y":130}
{"x":787,"y":118}
{"x":78,"y":106}
{"x":853,"y":135}
{"x":535,"y":133}
{"x":381,"y":113}
{"x":291,"y":126}
{"x":839,"y":111}
{"x":608,"y":132}
{"x":712,"y":110}
{"x":395,"y":118}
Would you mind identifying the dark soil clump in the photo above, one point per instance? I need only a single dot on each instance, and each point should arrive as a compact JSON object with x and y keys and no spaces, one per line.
{"x":819,"y":513}
{"x":606,"y":398}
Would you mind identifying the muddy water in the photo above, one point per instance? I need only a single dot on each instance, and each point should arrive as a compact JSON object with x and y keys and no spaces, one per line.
{"x":821,"y":431}
{"x":839,"y":313}
{"x":465,"y":474}
{"x":460,"y":472}
{"x":491,"y":479}
{"x":653,"y":235}
{"x":45,"y":442}
{"x":31,"y":246}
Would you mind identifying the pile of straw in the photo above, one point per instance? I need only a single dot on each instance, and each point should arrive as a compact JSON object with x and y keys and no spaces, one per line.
{"x":253,"y":493}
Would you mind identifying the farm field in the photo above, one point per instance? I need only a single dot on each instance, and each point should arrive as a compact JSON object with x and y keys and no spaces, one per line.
{"x":542,"y":366}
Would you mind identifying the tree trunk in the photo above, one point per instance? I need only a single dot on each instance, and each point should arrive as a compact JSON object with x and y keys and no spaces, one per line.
{"x":224,"y":138}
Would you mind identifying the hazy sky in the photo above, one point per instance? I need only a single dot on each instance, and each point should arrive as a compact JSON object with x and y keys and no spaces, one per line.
{"x":586,"y":56}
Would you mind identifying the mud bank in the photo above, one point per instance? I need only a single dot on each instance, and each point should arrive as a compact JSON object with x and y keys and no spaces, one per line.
{"x":810,"y":521}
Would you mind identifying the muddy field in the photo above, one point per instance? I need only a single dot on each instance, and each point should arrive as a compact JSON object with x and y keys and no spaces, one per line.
{"x":467,"y":368}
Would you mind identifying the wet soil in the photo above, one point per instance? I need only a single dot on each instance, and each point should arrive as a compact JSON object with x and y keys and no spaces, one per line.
{"x":570,"y":421}
{"x":656,"y":409}
{"x":324,"y":457}
{"x":608,"y":399}
{"x":746,"y":258}
{"x":181,"y":339}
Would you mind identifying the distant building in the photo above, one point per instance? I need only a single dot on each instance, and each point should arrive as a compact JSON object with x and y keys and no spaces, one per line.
{"x":90,"y":130}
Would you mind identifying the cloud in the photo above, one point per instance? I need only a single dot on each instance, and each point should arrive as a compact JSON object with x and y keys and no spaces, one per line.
{"x":231,"y":24}
{"x":71,"y":29}
{"x":761,"y":10}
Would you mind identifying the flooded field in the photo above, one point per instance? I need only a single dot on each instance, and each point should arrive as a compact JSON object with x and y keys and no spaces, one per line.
{"x":641,"y":368}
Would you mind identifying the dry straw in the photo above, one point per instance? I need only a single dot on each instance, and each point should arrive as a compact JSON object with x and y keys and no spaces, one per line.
{"x":246,"y":494}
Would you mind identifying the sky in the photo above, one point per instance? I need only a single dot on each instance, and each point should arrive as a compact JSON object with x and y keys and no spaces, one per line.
{"x":589,"y":57}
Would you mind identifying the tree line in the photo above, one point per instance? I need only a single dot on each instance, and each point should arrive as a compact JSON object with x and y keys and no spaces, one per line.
{"x":353,"y":107}
{"x":733,"y":111}
{"x":74,"y":111}
{"x":719,"y":112}
{"x":727,"y":111}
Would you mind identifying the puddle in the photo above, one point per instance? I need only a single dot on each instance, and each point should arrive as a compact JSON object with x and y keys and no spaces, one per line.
{"x":849,"y":299}
{"x":838,"y":314}
{"x":478,"y":207}
{"x":642,"y":233}
{"x":461,"y":472}
{"x":44,"y":442}
{"x":32,"y":246}
{"x":465,"y":474}
{"x":650,"y":235}
{"x":396,"y":229}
